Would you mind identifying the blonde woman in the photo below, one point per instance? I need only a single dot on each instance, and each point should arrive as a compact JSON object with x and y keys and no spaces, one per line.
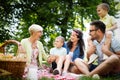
{"x":34,"y":48}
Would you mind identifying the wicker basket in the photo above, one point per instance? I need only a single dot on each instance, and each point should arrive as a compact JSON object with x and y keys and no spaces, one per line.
{"x":15,"y":66}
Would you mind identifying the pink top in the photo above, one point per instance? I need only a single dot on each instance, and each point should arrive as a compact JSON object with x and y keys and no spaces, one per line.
{"x":34,"y":60}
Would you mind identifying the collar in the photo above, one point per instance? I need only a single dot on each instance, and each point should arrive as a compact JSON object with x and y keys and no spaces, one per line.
{"x":58,"y":48}
{"x":102,"y":41}
{"x":107,"y":15}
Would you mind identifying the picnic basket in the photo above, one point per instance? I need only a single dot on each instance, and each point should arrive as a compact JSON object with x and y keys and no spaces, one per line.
{"x":13,"y":64}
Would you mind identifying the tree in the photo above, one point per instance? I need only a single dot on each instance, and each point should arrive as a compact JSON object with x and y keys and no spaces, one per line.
{"x":57,"y":17}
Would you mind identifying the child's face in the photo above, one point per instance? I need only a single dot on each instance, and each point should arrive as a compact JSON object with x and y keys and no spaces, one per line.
{"x":58,"y":43}
{"x":101,"y":12}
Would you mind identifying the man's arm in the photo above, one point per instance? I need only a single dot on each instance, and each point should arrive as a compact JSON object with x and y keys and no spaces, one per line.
{"x":118,"y":53}
{"x":106,"y":51}
{"x":115,"y":46}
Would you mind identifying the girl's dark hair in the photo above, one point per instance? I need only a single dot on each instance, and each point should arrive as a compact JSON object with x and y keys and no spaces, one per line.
{"x":80,"y":43}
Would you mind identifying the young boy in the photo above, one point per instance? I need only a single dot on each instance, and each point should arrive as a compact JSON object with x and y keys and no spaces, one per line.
{"x":57,"y":54}
{"x":109,"y":21}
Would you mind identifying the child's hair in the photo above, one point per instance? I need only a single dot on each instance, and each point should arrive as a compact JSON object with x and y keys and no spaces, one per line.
{"x":104,"y":6}
{"x":61,"y":38}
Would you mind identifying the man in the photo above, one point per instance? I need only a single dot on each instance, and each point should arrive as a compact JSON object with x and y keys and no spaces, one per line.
{"x":112,"y":64}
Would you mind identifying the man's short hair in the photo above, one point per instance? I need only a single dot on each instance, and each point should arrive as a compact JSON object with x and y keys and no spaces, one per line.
{"x":99,"y":25}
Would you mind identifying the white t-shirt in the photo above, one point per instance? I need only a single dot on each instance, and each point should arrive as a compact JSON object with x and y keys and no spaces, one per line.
{"x":58,"y":51}
{"x":71,"y":54}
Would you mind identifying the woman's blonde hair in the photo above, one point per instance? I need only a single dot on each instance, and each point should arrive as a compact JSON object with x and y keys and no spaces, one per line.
{"x":34,"y":28}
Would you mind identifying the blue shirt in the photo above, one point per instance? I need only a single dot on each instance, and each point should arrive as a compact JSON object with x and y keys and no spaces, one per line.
{"x":76,"y":52}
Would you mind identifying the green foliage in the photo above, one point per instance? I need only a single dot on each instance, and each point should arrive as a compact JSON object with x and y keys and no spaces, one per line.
{"x":4,"y":34}
{"x":57,"y":17}
{"x":11,"y":49}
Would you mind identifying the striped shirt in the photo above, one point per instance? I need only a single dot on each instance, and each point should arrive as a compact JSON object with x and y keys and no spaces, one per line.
{"x":114,"y":47}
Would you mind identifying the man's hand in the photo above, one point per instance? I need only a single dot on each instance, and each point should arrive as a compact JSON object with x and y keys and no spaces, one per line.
{"x":105,"y":49}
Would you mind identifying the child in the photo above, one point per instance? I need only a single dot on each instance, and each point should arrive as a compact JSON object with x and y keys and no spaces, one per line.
{"x":109,"y":21}
{"x":57,"y":54}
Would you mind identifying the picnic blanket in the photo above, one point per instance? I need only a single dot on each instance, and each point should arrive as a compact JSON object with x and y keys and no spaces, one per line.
{"x":45,"y":72}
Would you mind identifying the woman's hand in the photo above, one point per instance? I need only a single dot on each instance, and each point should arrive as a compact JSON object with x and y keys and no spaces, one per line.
{"x":91,"y":50}
{"x":51,"y":59}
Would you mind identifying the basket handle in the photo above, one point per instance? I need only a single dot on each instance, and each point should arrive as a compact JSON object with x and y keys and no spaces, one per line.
{"x":20,"y":48}
{"x":6,"y":42}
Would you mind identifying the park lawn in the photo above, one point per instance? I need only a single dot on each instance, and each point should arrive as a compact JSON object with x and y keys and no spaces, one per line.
{"x":113,"y":77}
{"x":116,"y":77}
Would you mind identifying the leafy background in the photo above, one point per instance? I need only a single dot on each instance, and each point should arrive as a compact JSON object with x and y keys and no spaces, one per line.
{"x":57,"y":17}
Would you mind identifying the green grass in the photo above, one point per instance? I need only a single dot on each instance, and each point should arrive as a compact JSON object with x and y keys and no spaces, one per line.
{"x":44,"y":78}
{"x":116,"y":77}
{"x":9,"y":78}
